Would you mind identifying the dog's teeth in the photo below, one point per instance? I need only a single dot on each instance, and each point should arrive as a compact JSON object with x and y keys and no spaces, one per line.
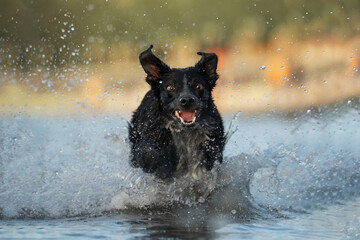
{"x":177,"y":114}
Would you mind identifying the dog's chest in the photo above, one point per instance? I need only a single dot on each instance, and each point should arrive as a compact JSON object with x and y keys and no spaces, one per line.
{"x":189,"y":145}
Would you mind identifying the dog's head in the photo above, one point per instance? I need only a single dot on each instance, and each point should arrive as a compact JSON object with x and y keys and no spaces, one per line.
{"x":184,"y":93}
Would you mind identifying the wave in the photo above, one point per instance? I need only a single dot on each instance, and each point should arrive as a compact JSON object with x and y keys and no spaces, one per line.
{"x":55,"y":168}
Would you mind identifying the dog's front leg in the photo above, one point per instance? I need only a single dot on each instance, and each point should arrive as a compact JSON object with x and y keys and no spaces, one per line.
{"x":154,"y":159}
{"x":213,"y":148}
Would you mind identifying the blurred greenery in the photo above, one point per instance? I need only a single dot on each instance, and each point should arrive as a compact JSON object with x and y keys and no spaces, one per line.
{"x":282,"y":54}
{"x":59,"y":32}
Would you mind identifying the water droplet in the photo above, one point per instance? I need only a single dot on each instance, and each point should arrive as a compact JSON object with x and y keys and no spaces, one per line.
{"x":263,"y":67}
{"x":282,"y":67}
{"x":233,"y":211}
{"x":237,"y":115}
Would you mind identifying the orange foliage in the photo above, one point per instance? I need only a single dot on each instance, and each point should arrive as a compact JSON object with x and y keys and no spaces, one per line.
{"x":278,"y":70}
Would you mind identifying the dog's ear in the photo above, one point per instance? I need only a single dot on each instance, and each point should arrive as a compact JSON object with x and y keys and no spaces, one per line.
{"x":153,"y":66}
{"x":208,"y":65}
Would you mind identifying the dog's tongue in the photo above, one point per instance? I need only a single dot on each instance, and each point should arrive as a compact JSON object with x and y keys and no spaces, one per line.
{"x":188,"y":116}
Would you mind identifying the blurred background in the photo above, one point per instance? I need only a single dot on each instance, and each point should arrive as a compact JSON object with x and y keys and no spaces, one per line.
{"x":64,"y":57}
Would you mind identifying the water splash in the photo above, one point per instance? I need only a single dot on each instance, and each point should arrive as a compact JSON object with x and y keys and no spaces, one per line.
{"x":68,"y":167}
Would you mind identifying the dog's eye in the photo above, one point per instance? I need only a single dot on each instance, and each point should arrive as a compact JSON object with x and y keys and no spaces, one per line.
{"x":199,"y":86}
{"x":170,"y":88}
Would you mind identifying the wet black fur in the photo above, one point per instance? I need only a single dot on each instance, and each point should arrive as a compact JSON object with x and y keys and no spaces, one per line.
{"x":160,"y":143}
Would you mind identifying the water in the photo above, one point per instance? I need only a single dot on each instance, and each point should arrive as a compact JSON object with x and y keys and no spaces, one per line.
{"x":291,"y":177}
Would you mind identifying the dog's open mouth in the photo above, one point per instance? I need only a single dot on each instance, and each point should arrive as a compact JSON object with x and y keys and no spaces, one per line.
{"x":186,"y":117}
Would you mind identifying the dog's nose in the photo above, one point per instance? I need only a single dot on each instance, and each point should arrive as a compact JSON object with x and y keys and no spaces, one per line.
{"x":187,"y":101}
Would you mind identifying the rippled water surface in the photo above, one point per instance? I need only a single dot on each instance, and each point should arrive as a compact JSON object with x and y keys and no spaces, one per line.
{"x":293,"y":177}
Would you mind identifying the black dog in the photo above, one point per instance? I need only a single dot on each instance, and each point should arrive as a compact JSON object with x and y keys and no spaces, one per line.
{"x":177,"y":129}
